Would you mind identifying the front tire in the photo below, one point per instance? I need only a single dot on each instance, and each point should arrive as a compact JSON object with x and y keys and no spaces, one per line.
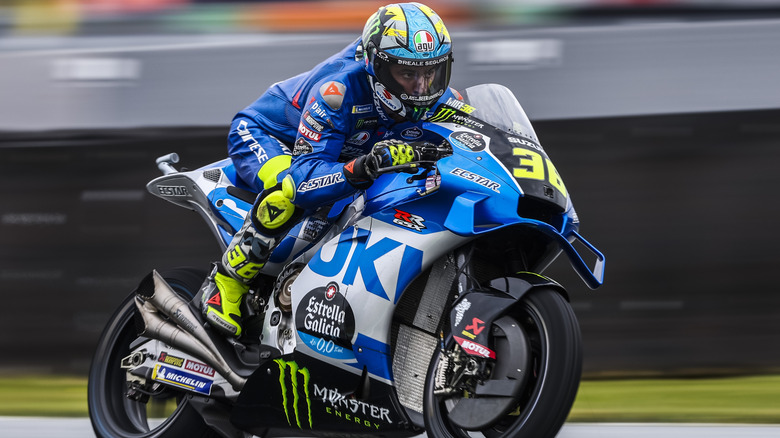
{"x":113,"y":415}
{"x":551,"y":380}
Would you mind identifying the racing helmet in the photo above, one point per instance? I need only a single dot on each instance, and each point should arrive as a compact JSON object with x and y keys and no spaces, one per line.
{"x":407,"y":53}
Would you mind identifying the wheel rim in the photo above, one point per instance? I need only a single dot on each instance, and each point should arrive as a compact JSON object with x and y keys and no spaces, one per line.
{"x":528,"y":317}
{"x":111,"y":411}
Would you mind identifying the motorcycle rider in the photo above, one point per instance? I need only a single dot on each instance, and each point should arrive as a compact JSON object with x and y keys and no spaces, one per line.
{"x":346,"y":118}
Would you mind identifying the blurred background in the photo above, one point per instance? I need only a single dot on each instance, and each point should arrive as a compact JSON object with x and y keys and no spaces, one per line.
{"x":662,"y":116}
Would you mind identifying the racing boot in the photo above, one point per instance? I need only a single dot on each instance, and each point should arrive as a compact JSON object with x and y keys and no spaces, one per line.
{"x":222,"y":296}
{"x":247,"y":253}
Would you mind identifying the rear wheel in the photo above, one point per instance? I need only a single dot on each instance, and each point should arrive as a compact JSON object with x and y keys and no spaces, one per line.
{"x":538,"y":361}
{"x":166,"y":414}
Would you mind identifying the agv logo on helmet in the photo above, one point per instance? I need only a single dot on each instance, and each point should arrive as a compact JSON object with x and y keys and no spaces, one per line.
{"x":423,"y":41}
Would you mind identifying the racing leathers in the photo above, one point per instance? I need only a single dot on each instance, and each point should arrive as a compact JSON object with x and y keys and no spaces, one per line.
{"x":296,"y":146}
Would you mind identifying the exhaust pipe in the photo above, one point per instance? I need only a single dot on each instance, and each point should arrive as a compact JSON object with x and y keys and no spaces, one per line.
{"x":187,"y":334}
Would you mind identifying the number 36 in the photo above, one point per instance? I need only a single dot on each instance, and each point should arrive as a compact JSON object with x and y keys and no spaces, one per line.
{"x":532,"y":166}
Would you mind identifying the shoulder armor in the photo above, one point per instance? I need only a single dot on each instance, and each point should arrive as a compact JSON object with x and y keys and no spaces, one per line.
{"x":332,"y":93}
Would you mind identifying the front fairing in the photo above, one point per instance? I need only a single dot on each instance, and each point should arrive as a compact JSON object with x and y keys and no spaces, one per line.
{"x":497,"y":176}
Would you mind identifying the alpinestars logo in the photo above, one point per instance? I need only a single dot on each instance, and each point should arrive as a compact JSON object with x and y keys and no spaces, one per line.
{"x":408,"y":220}
{"x":296,"y":399}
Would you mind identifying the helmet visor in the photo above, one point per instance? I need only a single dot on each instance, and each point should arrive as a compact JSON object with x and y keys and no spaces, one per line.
{"x":418,"y":82}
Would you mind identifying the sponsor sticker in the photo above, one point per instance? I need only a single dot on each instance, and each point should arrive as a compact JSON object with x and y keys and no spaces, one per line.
{"x":460,"y":309}
{"x":408,"y":220}
{"x":331,"y":291}
{"x":474,"y":329}
{"x":181,"y":379}
{"x":473,"y":348}
{"x":246,"y":136}
{"x":467,"y":121}
{"x":359,"y":109}
{"x":326,"y":323}
{"x":296,"y":401}
{"x":320,"y":182}
{"x":460,"y":105}
{"x":319,"y":111}
{"x":301,"y":147}
{"x":422,"y":63}
{"x":526,"y":143}
{"x":359,"y":138}
{"x":367,"y":123}
{"x":333,"y":88}
{"x":173,"y":190}
{"x":170,"y":360}
{"x":479,"y":179}
{"x":351,"y":409}
{"x":333,"y":94}
{"x":442,"y":114}
{"x":308,"y":132}
{"x":315,"y":125}
{"x":387,"y":98}
{"x":423,"y":98}
{"x":412,"y":133}
{"x":199,"y":368}
{"x":423,"y":41}
{"x":474,"y":142}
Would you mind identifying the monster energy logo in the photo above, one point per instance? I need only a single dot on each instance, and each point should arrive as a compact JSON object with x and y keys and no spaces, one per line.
{"x":373,"y":28}
{"x":299,"y":380}
{"x":442,"y":115}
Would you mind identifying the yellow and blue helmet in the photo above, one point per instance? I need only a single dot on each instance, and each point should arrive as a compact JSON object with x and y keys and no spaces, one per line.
{"x":408,"y":54}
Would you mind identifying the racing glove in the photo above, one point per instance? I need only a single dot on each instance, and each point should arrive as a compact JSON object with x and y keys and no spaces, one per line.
{"x":392,"y":153}
{"x":362,"y":171}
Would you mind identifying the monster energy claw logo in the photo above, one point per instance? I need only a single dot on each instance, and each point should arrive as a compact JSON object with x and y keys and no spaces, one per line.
{"x":298,"y":381}
{"x":443,"y":114}
{"x":373,"y":28}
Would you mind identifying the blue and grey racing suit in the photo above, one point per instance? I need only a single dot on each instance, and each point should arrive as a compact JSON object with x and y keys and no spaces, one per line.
{"x":314,"y":123}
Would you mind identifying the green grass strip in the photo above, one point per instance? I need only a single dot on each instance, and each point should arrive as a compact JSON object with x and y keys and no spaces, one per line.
{"x":753,"y":399}
{"x":51,"y":396}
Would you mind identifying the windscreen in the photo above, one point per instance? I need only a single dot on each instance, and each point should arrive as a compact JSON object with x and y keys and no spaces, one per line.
{"x":495,"y":104}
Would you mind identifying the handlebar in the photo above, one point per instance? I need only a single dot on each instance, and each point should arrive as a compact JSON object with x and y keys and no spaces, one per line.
{"x":165,"y":163}
{"x":425,"y":156}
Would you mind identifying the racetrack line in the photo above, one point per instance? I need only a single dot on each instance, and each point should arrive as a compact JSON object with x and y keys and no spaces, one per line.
{"x":41,"y":427}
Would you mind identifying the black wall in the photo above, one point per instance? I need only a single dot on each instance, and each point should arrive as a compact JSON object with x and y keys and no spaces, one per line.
{"x":683,"y":206}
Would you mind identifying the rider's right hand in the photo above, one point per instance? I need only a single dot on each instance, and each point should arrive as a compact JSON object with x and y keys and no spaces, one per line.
{"x":392,"y":153}
{"x":362,"y":171}
{"x":357,"y":173}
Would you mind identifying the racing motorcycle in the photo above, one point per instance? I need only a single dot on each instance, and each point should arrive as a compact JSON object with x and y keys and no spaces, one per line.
{"x":416,"y":306}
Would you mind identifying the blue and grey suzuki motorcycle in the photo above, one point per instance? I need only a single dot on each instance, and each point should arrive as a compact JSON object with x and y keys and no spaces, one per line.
{"x":416,"y":306}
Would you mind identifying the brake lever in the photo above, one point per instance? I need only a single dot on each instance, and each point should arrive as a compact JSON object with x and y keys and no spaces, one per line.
{"x":410,"y":167}
{"x":418,"y":176}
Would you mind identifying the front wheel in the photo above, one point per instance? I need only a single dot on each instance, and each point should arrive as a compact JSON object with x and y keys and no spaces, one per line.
{"x":552,"y":358}
{"x":113,"y":414}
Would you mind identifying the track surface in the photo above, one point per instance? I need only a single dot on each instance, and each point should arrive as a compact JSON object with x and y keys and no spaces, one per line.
{"x":80,"y":428}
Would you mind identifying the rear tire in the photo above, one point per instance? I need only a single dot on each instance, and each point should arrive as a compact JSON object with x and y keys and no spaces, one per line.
{"x":113,"y":415}
{"x":555,"y":347}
